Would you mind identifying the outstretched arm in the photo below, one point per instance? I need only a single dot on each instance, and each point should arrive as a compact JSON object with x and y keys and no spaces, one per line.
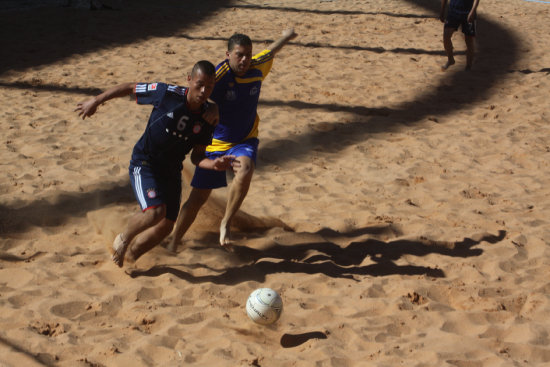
{"x":88,"y":108}
{"x":287,"y":35}
{"x":472,"y":14}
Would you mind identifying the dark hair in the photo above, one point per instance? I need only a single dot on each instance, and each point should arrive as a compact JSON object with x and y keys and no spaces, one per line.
{"x":205,"y":66}
{"x":238,"y":39}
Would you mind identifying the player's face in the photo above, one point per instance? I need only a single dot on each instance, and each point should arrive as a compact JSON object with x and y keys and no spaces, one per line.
{"x":200,"y":87}
{"x":239,"y":59}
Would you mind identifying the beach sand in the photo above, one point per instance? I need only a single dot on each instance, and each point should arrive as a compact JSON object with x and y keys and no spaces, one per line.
{"x":400,"y":211}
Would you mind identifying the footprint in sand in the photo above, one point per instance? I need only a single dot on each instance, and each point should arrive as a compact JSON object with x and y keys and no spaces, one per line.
{"x":69,"y":310}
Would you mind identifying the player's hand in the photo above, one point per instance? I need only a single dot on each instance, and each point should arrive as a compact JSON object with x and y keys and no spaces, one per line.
{"x":212,"y":114}
{"x":235,"y":163}
{"x":224,"y":162}
{"x":86,"y":108}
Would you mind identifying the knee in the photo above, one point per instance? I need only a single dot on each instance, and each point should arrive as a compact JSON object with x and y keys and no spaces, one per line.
{"x":164,"y":228}
{"x":197,"y":198}
{"x":245,"y":171}
{"x":157,"y":213}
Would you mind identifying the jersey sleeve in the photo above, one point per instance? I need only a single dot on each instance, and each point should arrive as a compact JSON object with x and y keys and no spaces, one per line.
{"x":263,"y":62}
{"x":150,"y":93}
{"x":221,"y":84}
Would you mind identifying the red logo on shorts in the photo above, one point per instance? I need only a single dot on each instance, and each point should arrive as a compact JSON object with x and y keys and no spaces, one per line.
{"x":151,"y":193}
{"x":197,"y":128}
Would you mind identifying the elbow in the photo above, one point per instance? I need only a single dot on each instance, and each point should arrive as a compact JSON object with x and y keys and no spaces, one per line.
{"x":195,"y":160}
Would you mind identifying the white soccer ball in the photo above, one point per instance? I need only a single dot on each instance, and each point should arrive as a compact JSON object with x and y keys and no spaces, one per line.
{"x":264,"y":306}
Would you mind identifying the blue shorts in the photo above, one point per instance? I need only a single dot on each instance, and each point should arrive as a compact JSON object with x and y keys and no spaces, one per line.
{"x":153,"y":189}
{"x":210,"y":179}
{"x":456,"y":20}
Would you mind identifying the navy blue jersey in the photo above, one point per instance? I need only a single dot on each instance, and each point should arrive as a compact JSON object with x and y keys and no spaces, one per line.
{"x":461,"y":7}
{"x":172,"y":130}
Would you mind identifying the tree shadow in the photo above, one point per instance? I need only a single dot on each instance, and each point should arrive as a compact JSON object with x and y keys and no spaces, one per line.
{"x":327,"y":12}
{"x":35,"y":34}
{"x":529,"y":71}
{"x":54,"y":212}
{"x":498,"y":51}
{"x":326,"y":258}
{"x":87,"y":31}
{"x":378,"y":50}
{"x":51,"y":87}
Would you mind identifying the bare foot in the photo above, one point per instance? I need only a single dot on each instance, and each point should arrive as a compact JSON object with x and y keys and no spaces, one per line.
{"x":119,"y":250}
{"x":224,"y":238}
{"x":130,"y":256}
{"x":447,"y":64}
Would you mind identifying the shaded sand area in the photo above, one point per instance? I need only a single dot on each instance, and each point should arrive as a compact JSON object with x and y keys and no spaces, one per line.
{"x":401,"y":212}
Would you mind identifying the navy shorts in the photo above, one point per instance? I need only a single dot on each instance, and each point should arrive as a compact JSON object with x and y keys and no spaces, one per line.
{"x":153,"y":189}
{"x":456,"y":20}
{"x":210,"y":179}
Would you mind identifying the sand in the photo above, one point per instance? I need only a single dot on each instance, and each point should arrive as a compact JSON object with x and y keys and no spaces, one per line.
{"x":401,"y":212}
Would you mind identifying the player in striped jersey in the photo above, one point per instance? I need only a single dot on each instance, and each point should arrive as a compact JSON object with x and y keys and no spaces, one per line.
{"x":238,"y":82}
{"x":181,"y":122}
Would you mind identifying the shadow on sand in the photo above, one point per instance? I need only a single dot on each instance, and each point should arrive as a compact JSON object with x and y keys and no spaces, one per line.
{"x":87,"y":31}
{"x":34,"y":34}
{"x":326,"y":258}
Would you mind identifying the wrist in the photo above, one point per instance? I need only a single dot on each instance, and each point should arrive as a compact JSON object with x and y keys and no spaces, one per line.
{"x":99,"y":100}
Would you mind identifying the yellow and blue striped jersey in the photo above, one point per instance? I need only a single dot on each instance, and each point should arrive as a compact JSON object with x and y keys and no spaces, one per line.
{"x":237,"y":99}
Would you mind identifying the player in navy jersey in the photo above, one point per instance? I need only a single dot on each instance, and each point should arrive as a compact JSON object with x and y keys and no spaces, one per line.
{"x":238,"y":82}
{"x":181,"y":122}
{"x":461,"y":13}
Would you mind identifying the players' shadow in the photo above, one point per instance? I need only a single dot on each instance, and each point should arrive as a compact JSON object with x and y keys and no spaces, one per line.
{"x":326,"y":258}
{"x":379,"y":251}
{"x":259,"y":270}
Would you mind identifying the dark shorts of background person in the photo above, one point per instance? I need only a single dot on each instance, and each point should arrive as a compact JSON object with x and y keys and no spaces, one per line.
{"x":210,"y":179}
{"x":455,"y":20}
{"x":153,"y":189}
